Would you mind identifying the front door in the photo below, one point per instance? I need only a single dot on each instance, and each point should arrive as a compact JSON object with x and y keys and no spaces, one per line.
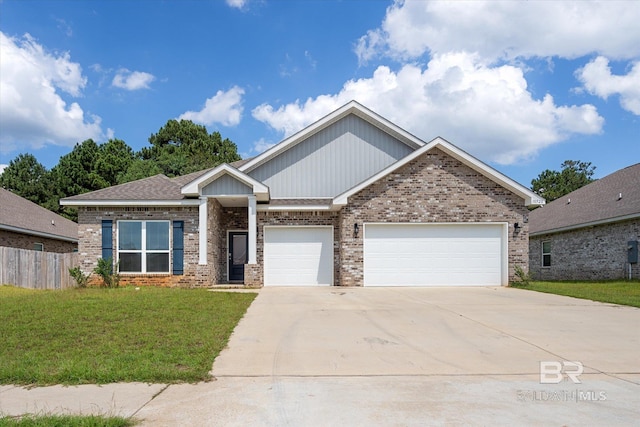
{"x":238,"y":242}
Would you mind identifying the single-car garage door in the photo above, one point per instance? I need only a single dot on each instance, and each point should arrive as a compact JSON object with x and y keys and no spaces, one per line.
{"x":298,"y":256}
{"x":435,"y":254}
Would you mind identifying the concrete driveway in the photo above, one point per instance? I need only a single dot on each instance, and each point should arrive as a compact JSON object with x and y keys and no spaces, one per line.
{"x":424,"y":356}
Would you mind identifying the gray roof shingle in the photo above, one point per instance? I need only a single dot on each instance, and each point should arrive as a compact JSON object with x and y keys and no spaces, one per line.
{"x":18,"y":212}
{"x":598,"y":201}
{"x":157,"y":187}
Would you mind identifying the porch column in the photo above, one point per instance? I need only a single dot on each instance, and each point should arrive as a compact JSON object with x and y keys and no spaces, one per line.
{"x":202,"y":231}
{"x":253,"y":230}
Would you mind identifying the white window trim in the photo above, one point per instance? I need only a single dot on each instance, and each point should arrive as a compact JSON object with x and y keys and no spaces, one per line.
{"x":545,"y":253}
{"x":143,"y":251}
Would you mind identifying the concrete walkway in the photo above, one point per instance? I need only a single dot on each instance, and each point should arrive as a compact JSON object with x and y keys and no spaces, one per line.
{"x":393,"y":356}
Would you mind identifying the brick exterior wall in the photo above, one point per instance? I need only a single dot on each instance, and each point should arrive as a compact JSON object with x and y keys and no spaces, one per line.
{"x":90,"y":243}
{"x":27,"y":241}
{"x":216,"y":235}
{"x":432,"y":188}
{"x":593,"y":253}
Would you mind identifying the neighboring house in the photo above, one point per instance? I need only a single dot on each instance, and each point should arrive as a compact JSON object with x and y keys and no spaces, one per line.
{"x":26,"y":225}
{"x":587,"y":234}
{"x":351,"y":200}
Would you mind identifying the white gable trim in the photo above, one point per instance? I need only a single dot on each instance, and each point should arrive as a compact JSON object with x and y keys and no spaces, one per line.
{"x":194,"y":188}
{"x":352,"y":107}
{"x":531,"y":198}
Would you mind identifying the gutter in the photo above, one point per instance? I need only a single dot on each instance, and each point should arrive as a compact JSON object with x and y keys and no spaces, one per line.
{"x":149,"y":203}
{"x":38,"y":233}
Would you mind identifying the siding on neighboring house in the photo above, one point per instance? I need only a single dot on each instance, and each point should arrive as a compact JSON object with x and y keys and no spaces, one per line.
{"x":331,"y":161}
{"x":591,"y":253}
{"x":27,"y":241}
{"x":449,"y":192}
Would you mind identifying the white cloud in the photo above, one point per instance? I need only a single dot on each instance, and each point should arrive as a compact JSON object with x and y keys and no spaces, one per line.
{"x":597,"y":79}
{"x":487,"y":111}
{"x":2,"y":168}
{"x":34,"y":113}
{"x":261,"y":145}
{"x":238,"y":4}
{"x":132,"y":80}
{"x":505,"y":29}
{"x":64,"y":27}
{"x":224,"y":108}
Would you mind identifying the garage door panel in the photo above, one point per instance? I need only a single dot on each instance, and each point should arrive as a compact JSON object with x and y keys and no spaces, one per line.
{"x":432,"y":254}
{"x":298,"y":256}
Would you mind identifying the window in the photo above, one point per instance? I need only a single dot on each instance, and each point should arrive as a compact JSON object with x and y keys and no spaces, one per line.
{"x":38,"y":247}
{"x":143,"y":246}
{"x":546,"y":254}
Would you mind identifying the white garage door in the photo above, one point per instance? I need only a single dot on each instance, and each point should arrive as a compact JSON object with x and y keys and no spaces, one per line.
{"x":435,"y":254}
{"x":298,"y":256}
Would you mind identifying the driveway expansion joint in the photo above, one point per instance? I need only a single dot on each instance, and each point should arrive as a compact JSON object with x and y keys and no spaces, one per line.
{"x":150,"y":400}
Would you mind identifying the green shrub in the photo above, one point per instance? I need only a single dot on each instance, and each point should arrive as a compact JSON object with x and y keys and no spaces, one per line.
{"x":109,"y":275}
{"x":524,"y":277}
{"x":81,"y":279}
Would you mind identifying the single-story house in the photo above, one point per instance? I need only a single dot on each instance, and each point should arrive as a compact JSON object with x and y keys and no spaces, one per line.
{"x":351,"y":200}
{"x":26,"y":225}
{"x":591,"y":233}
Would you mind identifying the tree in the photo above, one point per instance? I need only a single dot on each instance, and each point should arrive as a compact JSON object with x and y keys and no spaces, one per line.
{"x":139,"y":169}
{"x":553,"y":184}
{"x":182,"y":147}
{"x":75,"y":172}
{"x":114,"y":158}
{"x":27,"y":178}
{"x":89,"y":167}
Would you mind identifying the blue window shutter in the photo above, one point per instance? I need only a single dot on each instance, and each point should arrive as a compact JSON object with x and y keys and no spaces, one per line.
{"x":178,"y":247}
{"x":107,"y":239}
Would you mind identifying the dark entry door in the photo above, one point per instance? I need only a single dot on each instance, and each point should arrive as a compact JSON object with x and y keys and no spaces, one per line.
{"x":238,"y":243}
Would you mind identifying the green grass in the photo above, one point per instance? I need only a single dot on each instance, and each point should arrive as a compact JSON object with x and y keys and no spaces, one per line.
{"x":82,"y":336}
{"x":65,"y":421}
{"x":616,"y":292}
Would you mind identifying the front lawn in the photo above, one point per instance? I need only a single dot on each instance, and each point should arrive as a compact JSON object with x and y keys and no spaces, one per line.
{"x":65,"y":421}
{"x":82,"y":336}
{"x":616,"y":292}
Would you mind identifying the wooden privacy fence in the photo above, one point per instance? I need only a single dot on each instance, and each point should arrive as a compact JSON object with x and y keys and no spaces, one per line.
{"x":36,"y":270}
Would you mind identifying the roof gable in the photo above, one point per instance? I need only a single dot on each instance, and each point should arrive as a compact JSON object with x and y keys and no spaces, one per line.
{"x":352,"y":107}
{"x":612,"y":198}
{"x":529,"y":196}
{"x":331,"y":160}
{"x":23,"y":216}
{"x":232,"y":182}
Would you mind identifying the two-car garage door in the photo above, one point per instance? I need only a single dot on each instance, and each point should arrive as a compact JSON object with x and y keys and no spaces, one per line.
{"x":467,"y":254}
{"x":435,"y":254}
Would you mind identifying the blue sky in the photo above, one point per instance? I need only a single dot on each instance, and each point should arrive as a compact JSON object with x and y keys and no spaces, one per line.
{"x":522,"y":86}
